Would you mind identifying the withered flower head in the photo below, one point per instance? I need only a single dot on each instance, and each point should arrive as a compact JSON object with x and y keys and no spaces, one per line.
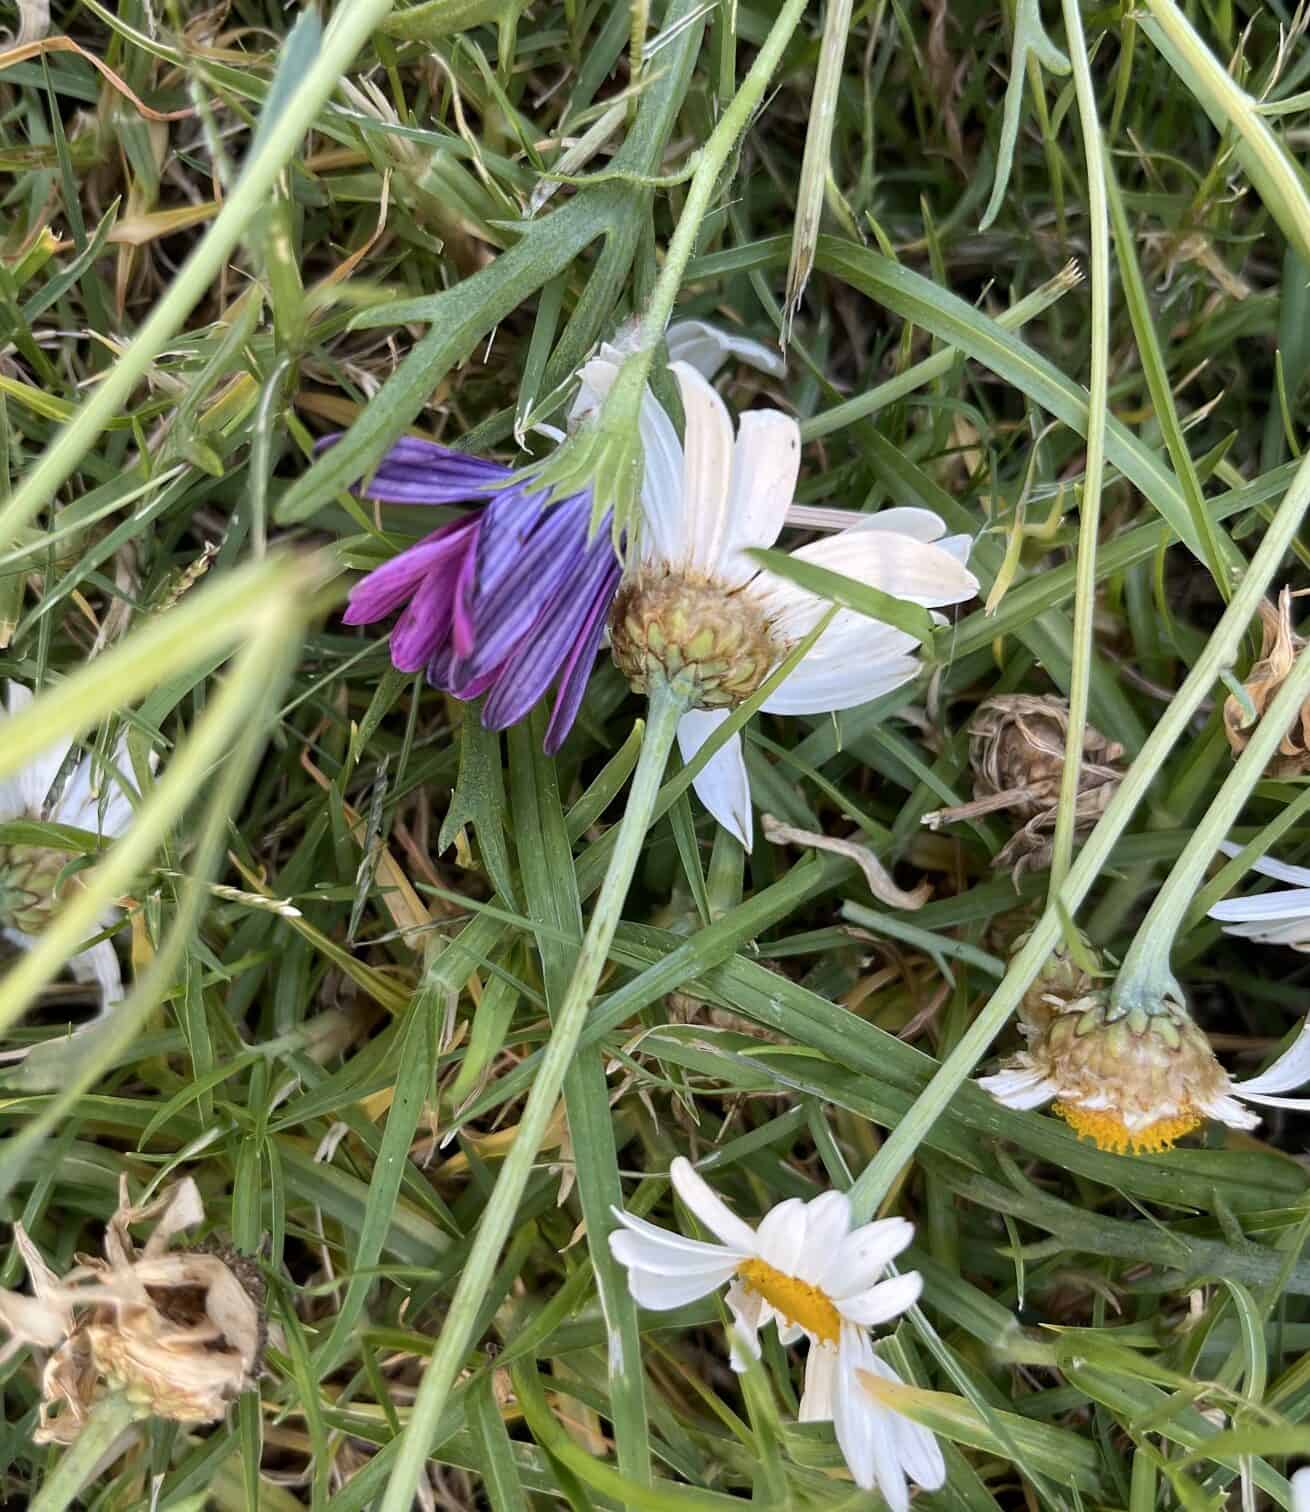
{"x":1131,"y":1081}
{"x":1016,"y":749}
{"x":1279,"y":648}
{"x":180,"y":1332}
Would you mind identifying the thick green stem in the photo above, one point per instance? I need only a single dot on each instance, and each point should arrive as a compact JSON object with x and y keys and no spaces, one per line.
{"x":666,"y":708}
{"x":713,"y":157}
{"x":1145,"y":977}
{"x":111,"y":1415}
{"x":880,"y":1174}
{"x":1066,"y":815}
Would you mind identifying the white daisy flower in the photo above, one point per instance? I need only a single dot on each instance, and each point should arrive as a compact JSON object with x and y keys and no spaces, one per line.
{"x":806,"y":1270}
{"x":1273,"y":918}
{"x":696,"y":606}
{"x":29,"y":873}
{"x":1139,"y":1081}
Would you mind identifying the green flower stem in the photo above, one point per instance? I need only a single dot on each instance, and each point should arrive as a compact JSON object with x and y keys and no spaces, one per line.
{"x":666,"y":708}
{"x":109,"y":1418}
{"x":1089,"y":524}
{"x":277,"y":140}
{"x":1145,"y":976}
{"x":713,"y":157}
{"x":879,"y":1176}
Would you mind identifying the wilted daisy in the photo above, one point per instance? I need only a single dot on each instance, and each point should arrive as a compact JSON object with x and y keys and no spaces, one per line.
{"x":511,"y":600}
{"x":696,"y":610}
{"x":809,"y":1272}
{"x":1273,"y":918}
{"x":93,"y":797}
{"x":180,"y":1332}
{"x":1138,"y":1081}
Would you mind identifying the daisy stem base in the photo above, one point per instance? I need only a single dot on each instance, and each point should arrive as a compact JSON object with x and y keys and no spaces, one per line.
{"x":667,"y":705}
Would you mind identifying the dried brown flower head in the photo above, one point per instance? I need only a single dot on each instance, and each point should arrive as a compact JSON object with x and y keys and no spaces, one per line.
{"x":1279,"y":648}
{"x":179,"y":1332}
{"x":1016,"y":750}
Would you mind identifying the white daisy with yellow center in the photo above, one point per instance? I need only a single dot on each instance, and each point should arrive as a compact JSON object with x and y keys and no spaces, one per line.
{"x":696,"y":608}
{"x":813,"y":1275}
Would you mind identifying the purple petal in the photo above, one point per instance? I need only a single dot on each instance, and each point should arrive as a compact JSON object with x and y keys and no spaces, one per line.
{"x":576,"y":671}
{"x":425,"y":623}
{"x":386,"y":588}
{"x":423,"y":472}
{"x":550,"y":560}
{"x":552,"y":642}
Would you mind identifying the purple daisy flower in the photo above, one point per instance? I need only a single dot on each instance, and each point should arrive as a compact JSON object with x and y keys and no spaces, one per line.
{"x":503,"y":603}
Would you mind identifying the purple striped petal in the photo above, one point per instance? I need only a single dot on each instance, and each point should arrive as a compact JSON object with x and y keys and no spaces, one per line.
{"x":425,"y":623}
{"x":552,"y":641}
{"x":576,"y":671}
{"x":549,"y":561}
{"x":424,"y":472}
{"x":386,"y":588}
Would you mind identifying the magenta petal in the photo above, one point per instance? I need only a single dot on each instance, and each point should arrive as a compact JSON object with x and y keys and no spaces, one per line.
{"x":386,"y":588}
{"x":423,"y":626}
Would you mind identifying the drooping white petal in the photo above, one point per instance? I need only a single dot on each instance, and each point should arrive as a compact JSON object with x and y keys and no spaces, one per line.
{"x":99,"y":964}
{"x":659,"y":1249}
{"x":781,"y":1237}
{"x":706,"y":470}
{"x":36,"y":778}
{"x":1291,"y":1069}
{"x":750,"y":1312}
{"x":853,"y":1422}
{"x":1282,"y":871}
{"x":919,"y":1452}
{"x":707,"y":347}
{"x":1293,"y":932}
{"x":864,"y":1255}
{"x":823,"y":688}
{"x":710,"y":1208}
{"x":820,"y":1382}
{"x":887,"y":1300}
{"x":723,"y":787}
{"x":766,"y":461}
{"x":595,"y":380}
{"x":1019,"y":1087}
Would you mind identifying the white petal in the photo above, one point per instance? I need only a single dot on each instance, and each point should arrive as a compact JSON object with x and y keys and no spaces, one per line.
{"x":820,"y":1381}
{"x":852,"y":1418}
{"x":657,"y":1249}
{"x":707,"y":347}
{"x":663,"y":534}
{"x":781,"y":1237}
{"x":723,"y":787}
{"x":821,"y":688}
{"x":1291,"y":1069}
{"x":710,"y":1208}
{"x":765,"y":464}
{"x":99,"y":964}
{"x":1291,"y":903}
{"x":865,"y":1254}
{"x":1294,"y":933}
{"x":1282,"y":871}
{"x":750,"y":1313}
{"x":706,"y":471}
{"x":881,"y":1303}
{"x":896,"y":564}
{"x":596,"y":380}
{"x":1019,"y":1087}
{"x":659,"y":1293}
{"x":958,"y":546}
{"x":918,"y":524}
{"x":918,"y":1449}
{"x":35,"y":779}
{"x":827,"y":1223}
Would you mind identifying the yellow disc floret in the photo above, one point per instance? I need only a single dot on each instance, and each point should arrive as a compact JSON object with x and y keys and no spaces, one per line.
{"x":1108,"y":1131}
{"x":798,"y":1301}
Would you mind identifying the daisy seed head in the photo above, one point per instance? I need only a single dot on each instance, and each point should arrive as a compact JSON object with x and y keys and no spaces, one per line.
{"x":692,"y":632}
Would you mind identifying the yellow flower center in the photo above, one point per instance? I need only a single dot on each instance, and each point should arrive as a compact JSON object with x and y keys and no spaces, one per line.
{"x":1108,"y":1131}
{"x":797,"y":1301}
